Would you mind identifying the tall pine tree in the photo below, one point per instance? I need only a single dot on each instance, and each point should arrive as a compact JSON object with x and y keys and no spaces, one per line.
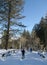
{"x":10,"y":14}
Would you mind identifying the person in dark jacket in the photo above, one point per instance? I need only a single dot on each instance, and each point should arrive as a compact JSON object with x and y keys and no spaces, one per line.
{"x":23,"y":53}
{"x":30,"y":49}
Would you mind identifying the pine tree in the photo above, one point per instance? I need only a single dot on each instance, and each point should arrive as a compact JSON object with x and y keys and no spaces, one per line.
{"x":10,"y":13}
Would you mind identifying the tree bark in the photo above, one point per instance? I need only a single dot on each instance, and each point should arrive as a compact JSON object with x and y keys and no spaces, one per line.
{"x":8,"y":26}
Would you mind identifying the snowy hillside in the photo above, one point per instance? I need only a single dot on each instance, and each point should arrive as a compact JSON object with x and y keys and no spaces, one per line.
{"x":13,"y":57}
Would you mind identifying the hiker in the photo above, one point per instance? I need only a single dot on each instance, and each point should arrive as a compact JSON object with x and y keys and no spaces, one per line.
{"x":23,"y":53}
{"x":30,"y":49}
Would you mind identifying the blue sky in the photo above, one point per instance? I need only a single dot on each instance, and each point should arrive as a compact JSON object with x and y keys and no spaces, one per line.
{"x":34,"y":10}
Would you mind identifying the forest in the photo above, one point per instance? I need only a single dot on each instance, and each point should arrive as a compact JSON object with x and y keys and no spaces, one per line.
{"x":11,"y":34}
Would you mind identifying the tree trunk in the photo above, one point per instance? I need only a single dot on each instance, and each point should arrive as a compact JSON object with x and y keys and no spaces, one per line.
{"x":8,"y":26}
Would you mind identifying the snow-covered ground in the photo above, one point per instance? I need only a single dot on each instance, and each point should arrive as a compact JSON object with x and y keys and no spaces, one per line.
{"x":14,"y":58}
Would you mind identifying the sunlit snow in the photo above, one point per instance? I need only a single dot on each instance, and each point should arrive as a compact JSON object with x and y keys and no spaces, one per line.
{"x":15,"y":58}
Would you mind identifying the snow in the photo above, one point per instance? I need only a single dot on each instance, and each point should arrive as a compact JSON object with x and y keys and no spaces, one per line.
{"x":15,"y":58}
